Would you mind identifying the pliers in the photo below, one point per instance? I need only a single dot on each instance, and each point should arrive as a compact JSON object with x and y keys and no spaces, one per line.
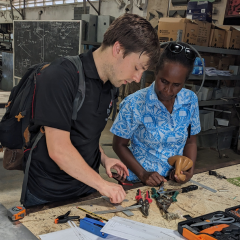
{"x":145,"y":203}
{"x":64,"y":218}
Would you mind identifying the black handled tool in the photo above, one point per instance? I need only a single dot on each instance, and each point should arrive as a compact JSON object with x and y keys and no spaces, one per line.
{"x":214,"y":173}
{"x":188,"y":189}
{"x":64,"y":218}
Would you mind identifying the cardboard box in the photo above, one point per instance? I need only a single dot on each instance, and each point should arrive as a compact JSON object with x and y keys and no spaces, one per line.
{"x":204,"y":31}
{"x":232,"y":37}
{"x":225,"y":62}
{"x":168,"y":30}
{"x":200,"y":10}
{"x":211,"y":60}
{"x":217,"y":37}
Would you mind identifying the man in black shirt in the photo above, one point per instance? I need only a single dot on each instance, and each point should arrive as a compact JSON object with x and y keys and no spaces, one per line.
{"x":66,"y":161}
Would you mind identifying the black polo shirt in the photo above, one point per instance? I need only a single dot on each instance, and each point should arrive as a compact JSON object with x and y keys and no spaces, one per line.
{"x":55,"y":92}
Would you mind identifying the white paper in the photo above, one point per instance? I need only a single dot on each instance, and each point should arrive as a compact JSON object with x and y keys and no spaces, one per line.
{"x":69,"y":234}
{"x":132,"y":230}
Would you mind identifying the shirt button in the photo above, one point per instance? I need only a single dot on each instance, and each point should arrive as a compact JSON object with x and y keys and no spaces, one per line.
{"x":172,"y":145}
{"x":172,"y":129}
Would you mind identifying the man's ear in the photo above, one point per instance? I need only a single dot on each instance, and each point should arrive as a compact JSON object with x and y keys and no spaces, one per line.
{"x":117,"y":50}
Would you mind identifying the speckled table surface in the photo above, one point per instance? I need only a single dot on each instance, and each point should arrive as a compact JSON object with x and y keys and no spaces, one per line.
{"x":195,"y":203}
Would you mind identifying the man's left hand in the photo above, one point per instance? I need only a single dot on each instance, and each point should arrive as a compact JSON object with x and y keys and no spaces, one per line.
{"x":112,"y":163}
{"x":174,"y":177}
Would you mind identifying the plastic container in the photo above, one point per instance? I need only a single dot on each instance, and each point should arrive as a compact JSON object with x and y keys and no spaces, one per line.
{"x":206,"y":92}
{"x":222,"y":122}
{"x":206,"y":119}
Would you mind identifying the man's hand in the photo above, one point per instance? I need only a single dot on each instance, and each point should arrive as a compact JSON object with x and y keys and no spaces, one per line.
{"x":174,"y":177}
{"x":114,"y":191}
{"x":152,"y":179}
{"x":112,"y":163}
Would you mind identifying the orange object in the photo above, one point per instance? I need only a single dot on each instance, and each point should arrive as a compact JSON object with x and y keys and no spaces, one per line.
{"x":191,"y":236}
{"x":16,"y":213}
{"x":214,"y":229}
{"x":181,"y":163}
{"x":19,"y":117}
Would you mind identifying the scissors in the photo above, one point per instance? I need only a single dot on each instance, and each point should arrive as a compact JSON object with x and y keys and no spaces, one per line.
{"x":217,"y":218}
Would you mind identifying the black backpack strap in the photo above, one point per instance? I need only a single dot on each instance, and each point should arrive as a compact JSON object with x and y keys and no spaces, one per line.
{"x":79,"y":99}
{"x":114,"y":94}
{"x":25,"y":179}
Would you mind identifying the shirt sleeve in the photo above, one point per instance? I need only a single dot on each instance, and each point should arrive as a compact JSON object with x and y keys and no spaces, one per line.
{"x":195,"y":119}
{"x":127,"y":120}
{"x":55,"y":92}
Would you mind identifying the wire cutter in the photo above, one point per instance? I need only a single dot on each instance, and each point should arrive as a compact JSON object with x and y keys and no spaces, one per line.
{"x":217,"y":218}
{"x":145,"y":203}
{"x":64,"y":218}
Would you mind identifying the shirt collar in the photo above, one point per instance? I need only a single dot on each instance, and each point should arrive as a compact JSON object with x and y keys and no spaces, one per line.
{"x":152,"y":98}
{"x":89,"y":66}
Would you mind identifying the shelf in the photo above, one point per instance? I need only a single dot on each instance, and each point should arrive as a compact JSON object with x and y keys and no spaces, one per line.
{"x":199,"y":77}
{"x":91,"y":43}
{"x":220,"y":130}
{"x":216,"y":50}
{"x":217,"y":102}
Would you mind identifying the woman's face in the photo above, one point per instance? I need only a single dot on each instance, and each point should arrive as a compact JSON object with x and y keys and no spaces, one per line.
{"x":170,"y":80}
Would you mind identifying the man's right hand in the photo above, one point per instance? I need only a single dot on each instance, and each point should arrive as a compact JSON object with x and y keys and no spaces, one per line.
{"x":152,"y":179}
{"x":114,"y":191}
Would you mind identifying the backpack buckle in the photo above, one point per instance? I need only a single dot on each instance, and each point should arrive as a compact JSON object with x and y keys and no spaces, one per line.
{"x":8,"y":104}
{"x":19,"y":116}
{"x":42,"y":130}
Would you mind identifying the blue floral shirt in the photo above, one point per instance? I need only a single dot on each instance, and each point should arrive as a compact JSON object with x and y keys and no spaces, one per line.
{"x":156,"y":134}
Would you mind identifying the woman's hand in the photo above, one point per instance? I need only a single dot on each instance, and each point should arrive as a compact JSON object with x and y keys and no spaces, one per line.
{"x":152,"y":179}
{"x":174,"y":177}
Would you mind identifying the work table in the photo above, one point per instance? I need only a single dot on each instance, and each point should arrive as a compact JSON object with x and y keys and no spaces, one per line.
{"x":195,"y":203}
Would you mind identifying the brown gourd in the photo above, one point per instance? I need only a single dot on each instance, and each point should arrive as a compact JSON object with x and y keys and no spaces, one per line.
{"x":181,"y":163}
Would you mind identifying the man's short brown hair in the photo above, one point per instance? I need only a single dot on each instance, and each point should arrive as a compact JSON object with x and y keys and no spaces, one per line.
{"x":135,"y":34}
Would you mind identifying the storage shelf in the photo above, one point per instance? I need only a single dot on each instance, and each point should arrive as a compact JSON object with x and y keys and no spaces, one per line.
{"x":220,"y":130}
{"x":217,"y":102}
{"x":199,"y":77}
{"x":216,"y":50}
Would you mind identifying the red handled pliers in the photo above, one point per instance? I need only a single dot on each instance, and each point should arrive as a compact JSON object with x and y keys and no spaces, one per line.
{"x":145,"y":203}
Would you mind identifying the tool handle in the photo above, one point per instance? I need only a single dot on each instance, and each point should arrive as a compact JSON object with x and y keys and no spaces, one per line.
{"x":189,"y":188}
{"x":148,"y":197}
{"x":213,"y":229}
{"x":139,"y":195}
{"x":73,"y":217}
{"x":154,"y":193}
{"x":214,"y":173}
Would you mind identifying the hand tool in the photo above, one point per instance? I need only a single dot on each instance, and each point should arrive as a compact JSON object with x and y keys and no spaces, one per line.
{"x":214,"y":229}
{"x":16,"y":213}
{"x":180,"y":190}
{"x":214,"y":173}
{"x":145,"y":204}
{"x":117,"y":206}
{"x":163,"y":201}
{"x":217,"y":218}
{"x":118,"y":210}
{"x":91,"y":213}
{"x":201,"y":185}
{"x":121,"y":180}
{"x":93,"y":226}
{"x":65,"y":217}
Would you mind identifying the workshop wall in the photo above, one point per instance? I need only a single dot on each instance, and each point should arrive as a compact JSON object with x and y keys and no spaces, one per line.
{"x":65,"y":12}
